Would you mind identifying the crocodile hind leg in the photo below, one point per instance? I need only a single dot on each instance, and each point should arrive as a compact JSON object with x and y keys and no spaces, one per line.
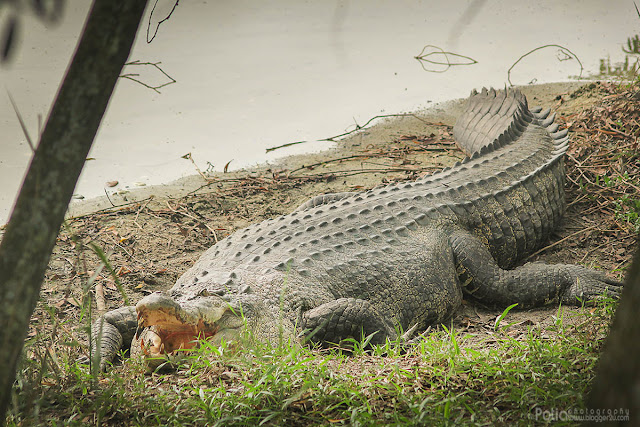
{"x":344,"y":318}
{"x":111,"y":332}
{"x":532,"y":284}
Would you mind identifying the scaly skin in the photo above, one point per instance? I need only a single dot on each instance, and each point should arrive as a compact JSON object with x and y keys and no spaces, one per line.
{"x":391,"y":259}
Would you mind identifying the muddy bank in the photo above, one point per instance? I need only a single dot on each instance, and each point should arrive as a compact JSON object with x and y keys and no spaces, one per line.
{"x":436,"y":120}
{"x":150,"y":243}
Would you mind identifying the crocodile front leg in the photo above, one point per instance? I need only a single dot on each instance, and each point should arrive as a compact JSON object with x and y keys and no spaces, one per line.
{"x":111,"y":332}
{"x":532,"y":284}
{"x":344,"y":318}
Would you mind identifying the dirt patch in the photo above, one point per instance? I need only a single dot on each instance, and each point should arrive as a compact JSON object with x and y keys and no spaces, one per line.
{"x":151,"y":242}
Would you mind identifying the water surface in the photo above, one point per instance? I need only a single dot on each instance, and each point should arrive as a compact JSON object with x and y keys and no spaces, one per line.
{"x":252,"y":75}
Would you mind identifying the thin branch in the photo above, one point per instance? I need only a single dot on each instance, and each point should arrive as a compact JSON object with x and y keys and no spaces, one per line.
{"x":351,"y":172}
{"x":422,"y":58}
{"x":114,"y":208}
{"x":562,"y":48}
{"x":109,"y":198}
{"x":189,"y":157}
{"x":159,"y":22}
{"x":359,"y":156}
{"x":24,"y":127}
{"x":584,"y":230}
{"x":357,"y":128}
{"x":131,"y":76}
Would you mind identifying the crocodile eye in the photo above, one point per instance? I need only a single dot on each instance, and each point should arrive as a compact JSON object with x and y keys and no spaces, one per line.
{"x":210,"y":293}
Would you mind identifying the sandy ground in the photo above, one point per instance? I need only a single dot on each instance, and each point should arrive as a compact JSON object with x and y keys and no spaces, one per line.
{"x":155,"y":234}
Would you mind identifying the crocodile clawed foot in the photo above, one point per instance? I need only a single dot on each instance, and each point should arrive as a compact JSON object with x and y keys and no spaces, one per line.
{"x":405,"y":338}
{"x":410,"y":340}
{"x":83,"y":360}
{"x":589,"y":285}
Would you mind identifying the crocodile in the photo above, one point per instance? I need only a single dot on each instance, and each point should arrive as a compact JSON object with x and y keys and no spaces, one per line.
{"x":385,"y":263}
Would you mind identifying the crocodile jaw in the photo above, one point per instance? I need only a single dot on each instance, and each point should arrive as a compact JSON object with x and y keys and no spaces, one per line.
{"x":166,"y":327}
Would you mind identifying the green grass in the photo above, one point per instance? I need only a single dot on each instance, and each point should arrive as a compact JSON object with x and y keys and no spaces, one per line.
{"x":625,"y":203}
{"x":447,"y":377}
{"x":627,"y":208}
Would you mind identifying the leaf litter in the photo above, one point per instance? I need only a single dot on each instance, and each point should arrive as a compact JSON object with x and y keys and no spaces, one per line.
{"x":152,"y":242}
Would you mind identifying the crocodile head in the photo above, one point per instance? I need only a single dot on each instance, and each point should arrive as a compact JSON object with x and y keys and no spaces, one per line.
{"x":167,"y":328}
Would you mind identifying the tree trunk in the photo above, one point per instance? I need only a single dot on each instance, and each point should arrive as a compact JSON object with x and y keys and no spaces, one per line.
{"x":48,"y":186}
{"x":616,"y":388}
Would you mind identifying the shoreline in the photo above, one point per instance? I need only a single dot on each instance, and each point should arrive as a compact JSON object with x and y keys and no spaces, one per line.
{"x":380,"y":133}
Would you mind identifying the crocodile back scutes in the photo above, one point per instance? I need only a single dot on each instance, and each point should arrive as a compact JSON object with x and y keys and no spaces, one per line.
{"x":509,"y":192}
{"x":490,"y":116}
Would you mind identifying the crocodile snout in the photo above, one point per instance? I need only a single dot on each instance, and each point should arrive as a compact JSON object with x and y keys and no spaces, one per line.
{"x":167,"y":327}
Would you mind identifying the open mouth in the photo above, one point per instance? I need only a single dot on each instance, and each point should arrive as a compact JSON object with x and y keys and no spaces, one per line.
{"x":159,"y":340}
{"x":166,"y":327}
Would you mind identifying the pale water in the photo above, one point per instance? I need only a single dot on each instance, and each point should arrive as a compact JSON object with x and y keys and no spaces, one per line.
{"x":252,"y":75}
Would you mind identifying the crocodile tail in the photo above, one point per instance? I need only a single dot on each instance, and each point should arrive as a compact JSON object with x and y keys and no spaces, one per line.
{"x":489,"y":115}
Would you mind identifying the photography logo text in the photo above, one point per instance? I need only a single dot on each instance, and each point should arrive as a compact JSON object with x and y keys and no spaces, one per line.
{"x":582,"y":415}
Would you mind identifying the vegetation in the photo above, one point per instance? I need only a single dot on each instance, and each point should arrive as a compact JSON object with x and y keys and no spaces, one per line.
{"x":512,"y":375}
{"x":484,"y":368}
